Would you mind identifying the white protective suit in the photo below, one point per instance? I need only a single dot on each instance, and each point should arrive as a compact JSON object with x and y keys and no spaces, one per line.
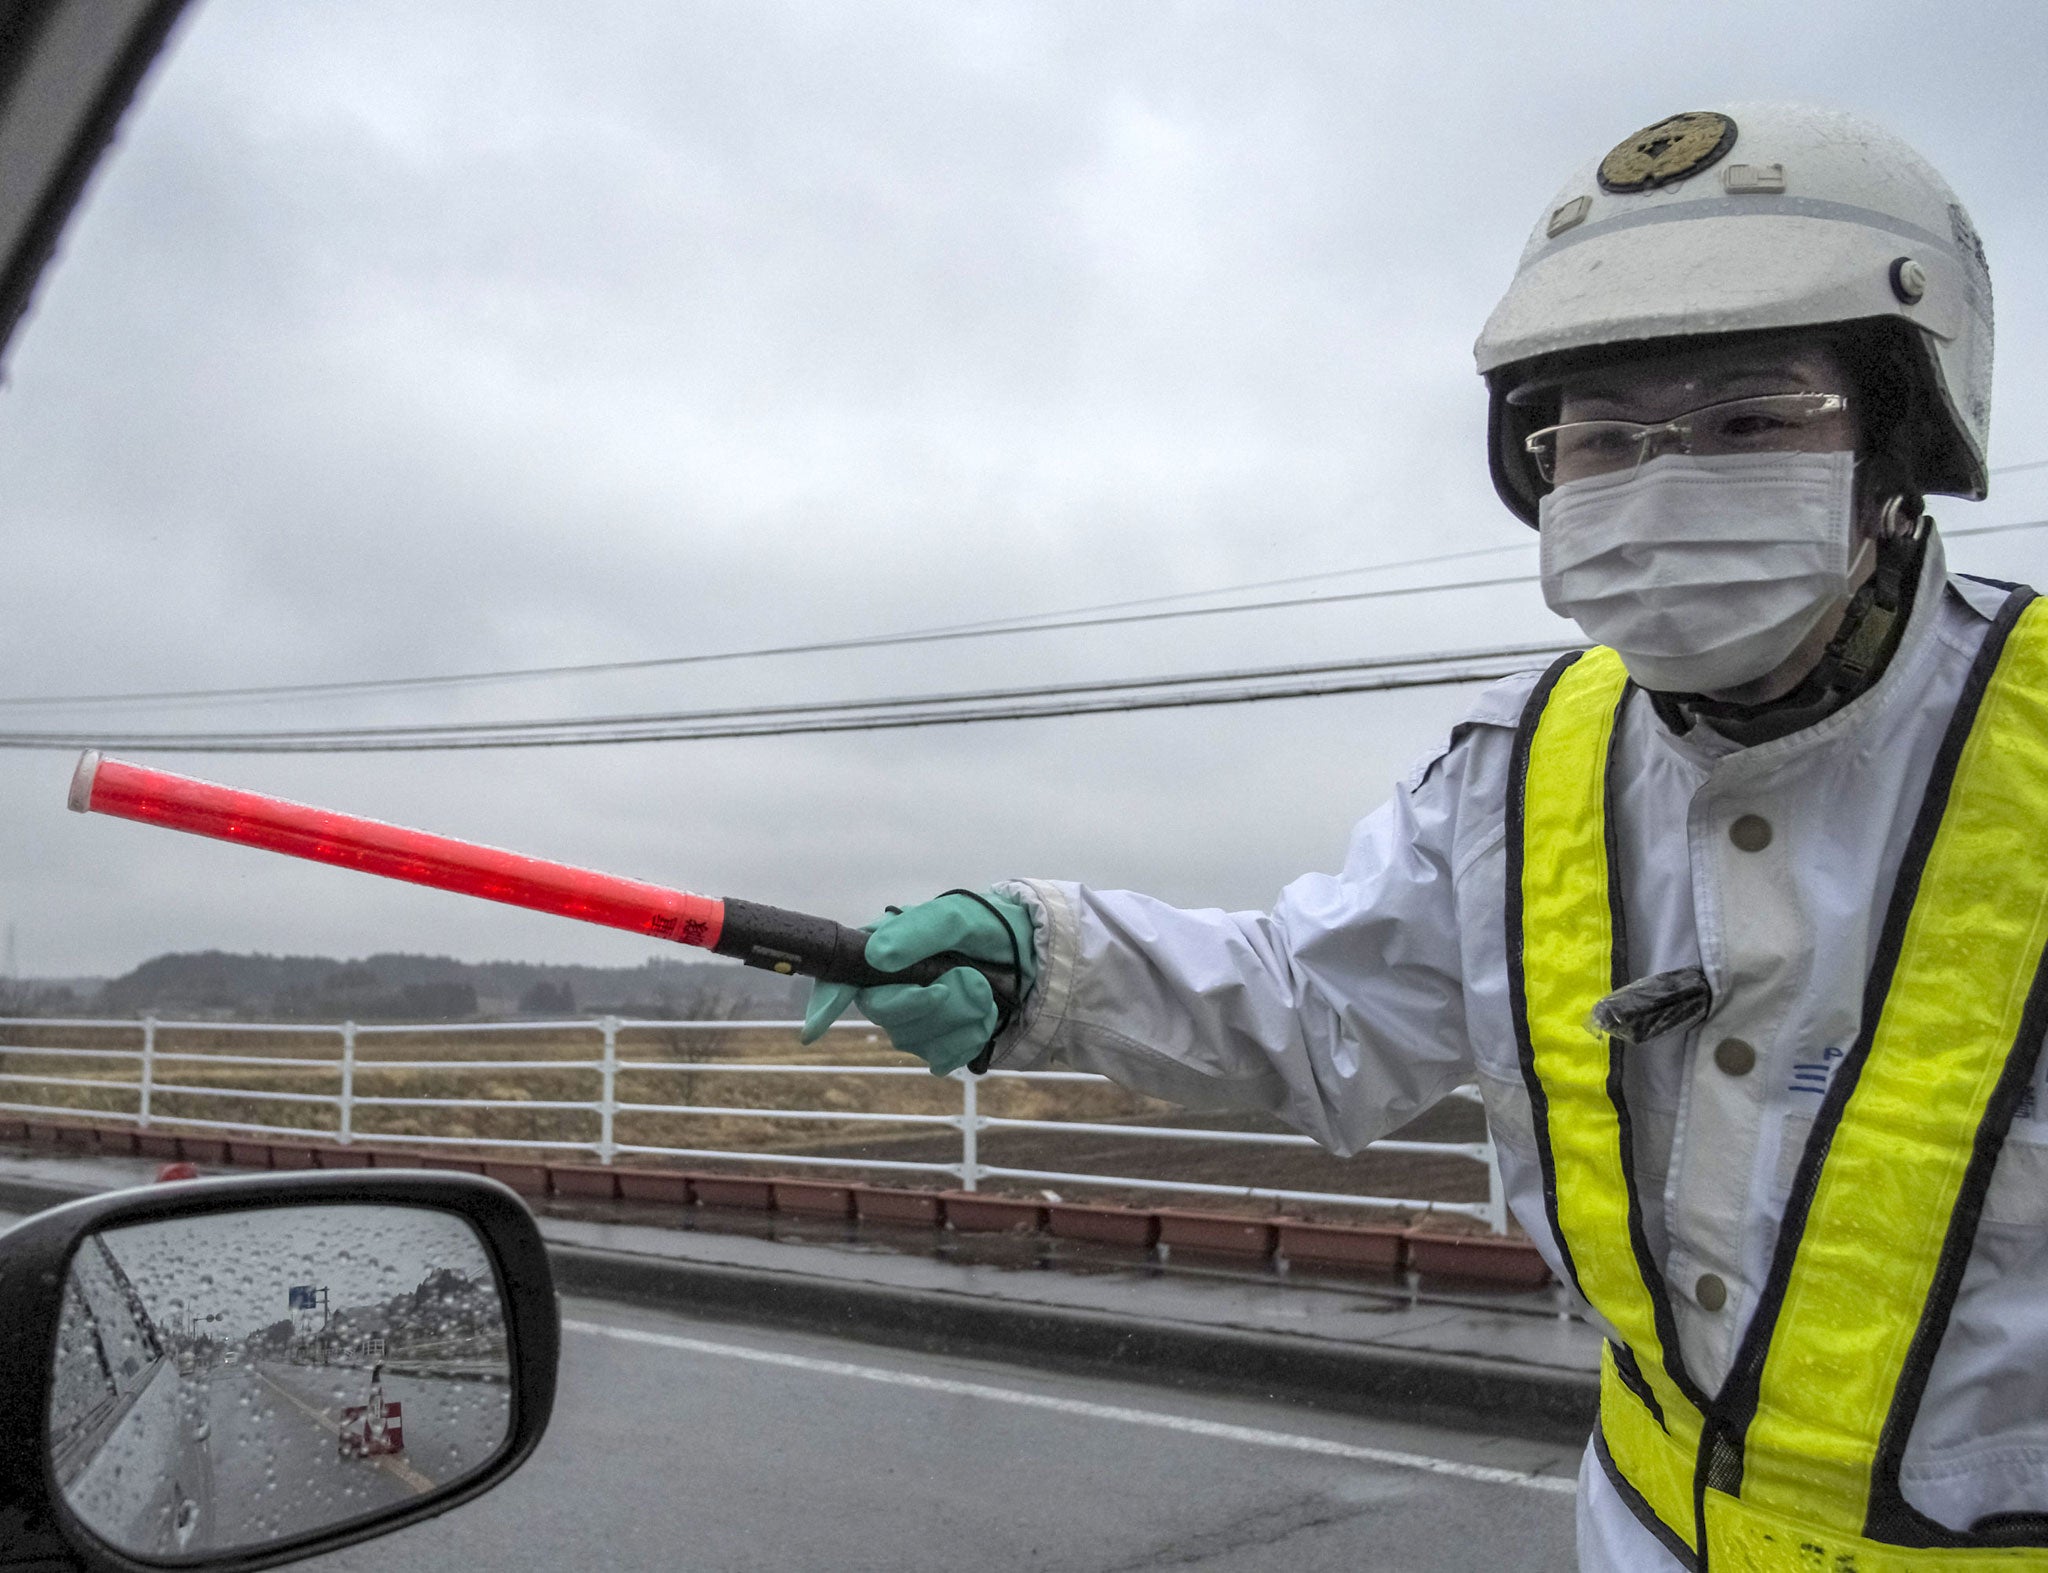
{"x":1364,"y":996}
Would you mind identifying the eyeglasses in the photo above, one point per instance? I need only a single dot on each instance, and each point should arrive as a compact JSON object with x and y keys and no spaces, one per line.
{"x":1770,"y":423}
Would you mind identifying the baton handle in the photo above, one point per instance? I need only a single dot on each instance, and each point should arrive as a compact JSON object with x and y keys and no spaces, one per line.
{"x":783,"y":941}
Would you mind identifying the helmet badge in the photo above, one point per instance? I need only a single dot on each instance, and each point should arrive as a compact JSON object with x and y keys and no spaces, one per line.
{"x":1667,"y":152}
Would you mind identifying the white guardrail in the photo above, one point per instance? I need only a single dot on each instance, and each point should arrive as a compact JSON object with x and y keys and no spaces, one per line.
{"x":152,"y":1058}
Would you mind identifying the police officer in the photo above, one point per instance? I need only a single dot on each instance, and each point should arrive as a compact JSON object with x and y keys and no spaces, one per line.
{"x":1737,"y":918}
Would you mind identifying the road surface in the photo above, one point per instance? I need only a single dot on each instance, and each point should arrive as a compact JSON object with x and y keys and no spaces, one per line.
{"x":692,"y":1447}
{"x":696,"y":1447}
{"x":239,"y":1455}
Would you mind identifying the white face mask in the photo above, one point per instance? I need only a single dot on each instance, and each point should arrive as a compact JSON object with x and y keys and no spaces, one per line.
{"x":1702,"y":573}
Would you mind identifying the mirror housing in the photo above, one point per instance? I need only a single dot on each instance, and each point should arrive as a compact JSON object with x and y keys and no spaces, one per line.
{"x":39,"y":1530}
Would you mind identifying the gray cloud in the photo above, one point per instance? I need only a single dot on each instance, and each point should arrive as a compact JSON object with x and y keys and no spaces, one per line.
{"x":397,"y":339}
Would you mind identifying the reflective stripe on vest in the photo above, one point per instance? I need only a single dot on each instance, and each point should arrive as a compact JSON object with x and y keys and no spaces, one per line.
{"x":1795,"y":1462}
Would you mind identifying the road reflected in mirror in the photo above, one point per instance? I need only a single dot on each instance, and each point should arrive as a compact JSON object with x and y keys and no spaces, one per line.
{"x":233,"y":1380}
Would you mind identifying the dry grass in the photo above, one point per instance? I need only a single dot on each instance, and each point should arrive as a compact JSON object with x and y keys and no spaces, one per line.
{"x":388,"y":1064}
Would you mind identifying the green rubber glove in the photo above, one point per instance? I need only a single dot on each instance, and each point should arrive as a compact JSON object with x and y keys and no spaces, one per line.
{"x":945,"y":1023}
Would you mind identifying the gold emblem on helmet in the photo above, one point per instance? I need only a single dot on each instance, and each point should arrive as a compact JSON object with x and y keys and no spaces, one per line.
{"x":1668,"y":151}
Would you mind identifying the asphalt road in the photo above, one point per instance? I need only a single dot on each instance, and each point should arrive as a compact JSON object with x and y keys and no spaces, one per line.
{"x":239,"y":1455}
{"x":691,"y":1447}
{"x":278,"y":1441}
{"x":694,"y":1447}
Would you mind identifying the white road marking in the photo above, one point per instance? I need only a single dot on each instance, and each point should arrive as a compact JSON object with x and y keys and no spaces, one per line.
{"x":390,"y":1463}
{"x":1184,"y":1424}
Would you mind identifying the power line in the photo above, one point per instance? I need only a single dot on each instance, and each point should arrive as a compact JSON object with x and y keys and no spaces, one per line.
{"x":1993,"y":529}
{"x":1023,"y":624}
{"x":868,"y":706}
{"x":1245,"y":686}
{"x":1236,"y":589}
{"x":456,"y":729}
{"x":1027,"y":623}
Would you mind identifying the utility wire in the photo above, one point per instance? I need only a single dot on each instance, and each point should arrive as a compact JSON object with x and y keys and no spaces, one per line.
{"x":850,"y":706}
{"x":1230,"y":589}
{"x":1040,"y":622}
{"x":1245,"y":686}
{"x":1993,"y":529}
{"x":1057,"y":622}
{"x":1033,"y":622}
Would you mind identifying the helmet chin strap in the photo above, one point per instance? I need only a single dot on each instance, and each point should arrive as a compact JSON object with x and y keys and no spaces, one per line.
{"x":1854,"y":659}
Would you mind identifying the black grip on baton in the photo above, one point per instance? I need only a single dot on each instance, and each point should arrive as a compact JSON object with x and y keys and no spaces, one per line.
{"x":796,"y":943}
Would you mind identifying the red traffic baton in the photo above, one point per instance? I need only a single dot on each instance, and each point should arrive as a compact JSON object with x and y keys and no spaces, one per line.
{"x":771,"y":938}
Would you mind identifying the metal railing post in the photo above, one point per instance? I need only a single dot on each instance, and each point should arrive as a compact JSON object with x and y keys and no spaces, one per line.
{"x":348,"y":1082}
{"x":970,"y":1131}
{"x":608,"y":1099}
{"x":148,"y":1071}
{"x":1496,"y":1190}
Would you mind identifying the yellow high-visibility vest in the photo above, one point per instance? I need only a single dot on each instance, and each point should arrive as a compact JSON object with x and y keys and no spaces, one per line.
{"x":1794,"y":1462}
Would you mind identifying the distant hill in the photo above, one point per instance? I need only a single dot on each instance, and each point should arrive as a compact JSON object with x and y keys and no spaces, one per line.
{"x":401,"y":987}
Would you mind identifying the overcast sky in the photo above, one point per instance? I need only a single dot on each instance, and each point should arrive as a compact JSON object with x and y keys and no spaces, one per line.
{"x":243,"y":1263}
{"x":397,"y":338}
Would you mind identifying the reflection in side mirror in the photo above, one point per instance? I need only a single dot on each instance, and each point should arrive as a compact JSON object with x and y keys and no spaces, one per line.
{"x":235,"y":1379}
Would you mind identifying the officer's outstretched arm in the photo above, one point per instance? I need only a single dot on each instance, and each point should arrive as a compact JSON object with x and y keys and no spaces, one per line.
{"x":1339,"y":1012}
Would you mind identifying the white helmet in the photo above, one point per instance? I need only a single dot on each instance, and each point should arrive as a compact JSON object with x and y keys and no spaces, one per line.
{"x":1764,"y":216}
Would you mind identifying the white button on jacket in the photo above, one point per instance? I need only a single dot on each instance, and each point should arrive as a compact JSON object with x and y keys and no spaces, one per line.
{"x":1364,"y":996}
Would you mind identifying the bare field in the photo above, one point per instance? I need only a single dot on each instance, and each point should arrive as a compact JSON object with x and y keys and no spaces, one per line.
{"x":290,"y":1079}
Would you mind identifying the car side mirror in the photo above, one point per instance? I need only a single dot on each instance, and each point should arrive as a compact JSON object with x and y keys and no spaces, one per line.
{"x":229,"y":1374}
